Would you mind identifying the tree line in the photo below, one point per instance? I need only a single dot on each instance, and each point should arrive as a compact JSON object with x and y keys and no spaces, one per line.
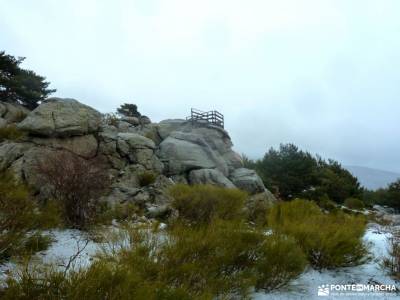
{"x":290,"y":173}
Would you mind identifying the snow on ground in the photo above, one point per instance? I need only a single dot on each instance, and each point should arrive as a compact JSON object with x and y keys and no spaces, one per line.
{"x":68,"y":242}
{"x":306,"y":286}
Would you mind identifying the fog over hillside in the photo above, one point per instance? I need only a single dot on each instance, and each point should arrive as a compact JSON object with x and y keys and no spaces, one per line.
{"x":373,"y":178}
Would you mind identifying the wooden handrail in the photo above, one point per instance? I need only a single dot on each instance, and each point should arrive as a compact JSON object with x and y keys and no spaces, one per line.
{"x":212,"y":117}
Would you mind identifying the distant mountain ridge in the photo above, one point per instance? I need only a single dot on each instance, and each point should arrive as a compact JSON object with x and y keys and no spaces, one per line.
{"x":373,"y":179}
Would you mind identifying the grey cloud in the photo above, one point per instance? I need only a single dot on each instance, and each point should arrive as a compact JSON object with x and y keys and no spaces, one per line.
{"x":321,"y":74}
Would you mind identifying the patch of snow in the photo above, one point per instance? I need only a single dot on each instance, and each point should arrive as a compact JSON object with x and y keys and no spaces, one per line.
{"x":306,"y":286}
{"x":66,"y":244}
{"x":163,"y":226}
{"x":5,"y":269}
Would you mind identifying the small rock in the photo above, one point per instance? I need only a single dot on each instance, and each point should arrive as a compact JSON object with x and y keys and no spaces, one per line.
{"x":157,"y":211}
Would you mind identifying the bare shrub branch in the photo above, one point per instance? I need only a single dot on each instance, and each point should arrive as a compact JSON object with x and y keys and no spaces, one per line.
{"x":74,"y":181}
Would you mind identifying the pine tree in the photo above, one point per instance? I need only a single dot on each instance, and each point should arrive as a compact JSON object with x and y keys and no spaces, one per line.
{"x":19,"y":85}
{"x":128,"y":110}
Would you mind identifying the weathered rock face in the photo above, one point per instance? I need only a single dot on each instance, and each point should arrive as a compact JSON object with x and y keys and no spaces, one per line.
{"x":21,"y":158}
{"x":3,"y":123}
{"x":138,"y":149}
{"x":209,"y":176}
{"x":61,"y":118}
{"x":10,"y":152}
{"x":12,"y":113}
{"x":203,"y":155}
{"x":25,"y":167}
{"x":85,"y":146}
{"x":180,"y":155}
{"x":3,"y":109}
{"x":176,"y":151}
{"x":131,"y":120}
{"x":247,"y":180}
{"x":167,"y":126}
{"x":189,"y":148}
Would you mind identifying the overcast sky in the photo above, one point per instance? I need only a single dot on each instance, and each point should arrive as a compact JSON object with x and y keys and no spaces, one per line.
{"x":322,"y":74}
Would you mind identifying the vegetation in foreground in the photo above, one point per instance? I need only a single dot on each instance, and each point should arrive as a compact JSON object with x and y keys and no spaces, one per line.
{"x":392,"y":262}
{"x":329,"y":240}
{"x":21,"y":220}
{"x":75,"y":183}
{"x":210,"y":251}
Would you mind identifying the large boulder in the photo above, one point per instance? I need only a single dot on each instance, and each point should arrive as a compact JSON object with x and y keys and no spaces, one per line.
{"x":209,"y":176}
{"x":58,"y":117}
{"x":10,"y":152}
{"x":233,"y":160}
{"x":266,"y":197}
{"x":182,"y":152}
{"x":188,"y":146}
{"x":22,"y":159}
{"x":149,"y":131}
{"x":139,"y":150}
{"x":25,"y":167}
{"x":12,"y":112}
{"x":135,"y":141}
{"x":108,"y":147}
{"x":122,"y":148}
{"x":3,"y":123}
{"x":165,"y":127}
{"x":247,"y":180}
{"x":84,"y":146}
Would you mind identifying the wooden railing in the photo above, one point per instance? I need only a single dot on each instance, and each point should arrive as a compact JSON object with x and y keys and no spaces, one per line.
{"x":212,"y":117}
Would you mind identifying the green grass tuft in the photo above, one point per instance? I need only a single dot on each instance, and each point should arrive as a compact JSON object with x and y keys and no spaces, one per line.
{"x":146,"y":178}
{"x":329,"y":240}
